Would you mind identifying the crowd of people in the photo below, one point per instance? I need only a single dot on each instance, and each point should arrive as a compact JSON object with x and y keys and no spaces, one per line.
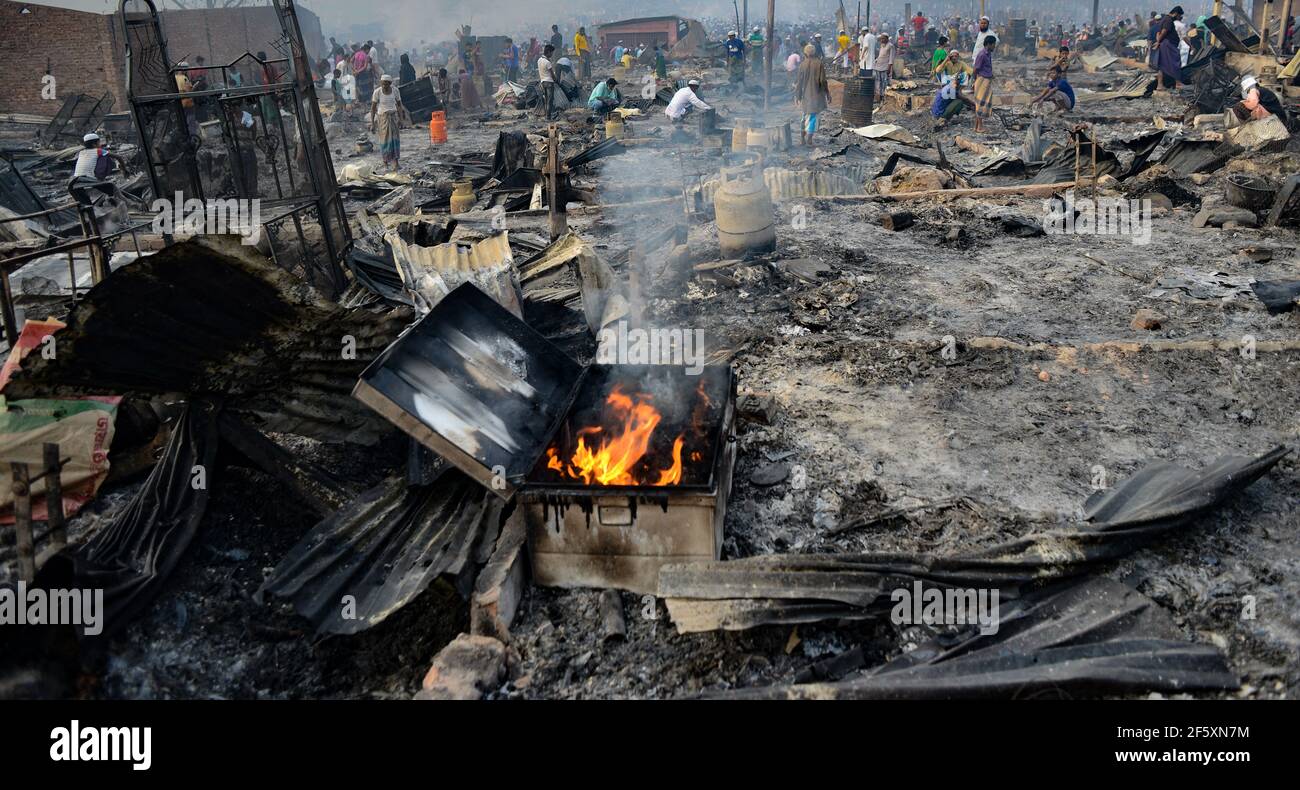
{"x":955,"y":54}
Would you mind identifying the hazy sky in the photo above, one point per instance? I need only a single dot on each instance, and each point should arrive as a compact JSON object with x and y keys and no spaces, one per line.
{"x":407,"y":22}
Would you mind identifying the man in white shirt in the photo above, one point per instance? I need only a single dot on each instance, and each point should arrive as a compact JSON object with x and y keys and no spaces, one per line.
{"x":684,"y":100}
{"x":546,"y":73}
{"x":866,"y":49}
{"x":883,"y":64}
{"x":982,"y":33}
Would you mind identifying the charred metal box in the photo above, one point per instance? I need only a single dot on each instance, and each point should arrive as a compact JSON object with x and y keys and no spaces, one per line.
{"x":619,"y":469}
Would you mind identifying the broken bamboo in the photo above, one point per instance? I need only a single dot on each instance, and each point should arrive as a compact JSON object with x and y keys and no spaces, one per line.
{"x":54,"y":497}
{"x":611,"y":615}
{"x":1027,"y":190}
{"x":23,"y":522}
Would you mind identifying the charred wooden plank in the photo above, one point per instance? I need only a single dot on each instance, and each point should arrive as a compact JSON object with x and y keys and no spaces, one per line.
{"x":318,"y":489}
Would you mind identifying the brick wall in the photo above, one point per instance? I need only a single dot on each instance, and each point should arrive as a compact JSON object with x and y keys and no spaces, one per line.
{"x":80,"y":49}
{"x":84,"y":50}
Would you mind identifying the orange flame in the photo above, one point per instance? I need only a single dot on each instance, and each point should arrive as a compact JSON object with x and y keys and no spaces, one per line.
{"x":614,"y":462}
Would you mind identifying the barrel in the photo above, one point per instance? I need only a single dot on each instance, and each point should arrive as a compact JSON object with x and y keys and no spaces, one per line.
{"x":859,"y":101}
{"x":438,"y":127}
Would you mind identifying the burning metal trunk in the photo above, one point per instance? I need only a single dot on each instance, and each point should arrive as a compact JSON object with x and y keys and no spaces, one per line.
{"x":620,"y":469}
{"x":624,"y":488}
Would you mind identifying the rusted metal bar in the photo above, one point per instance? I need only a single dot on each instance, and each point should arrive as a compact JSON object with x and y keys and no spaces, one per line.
{"x":23,"y":522}
{"x":15,"y":262}
{"x":37,"y":214}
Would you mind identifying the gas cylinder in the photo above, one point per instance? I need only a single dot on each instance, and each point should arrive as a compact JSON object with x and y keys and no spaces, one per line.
{"x":615,"y":129}
{"x":438,"y":127}
{"x":462,"y":196}
{"x":739,"y":136}
{"x":743,"y":209}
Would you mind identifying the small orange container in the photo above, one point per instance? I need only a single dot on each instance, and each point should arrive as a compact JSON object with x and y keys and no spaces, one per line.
{"x":438,"y":127}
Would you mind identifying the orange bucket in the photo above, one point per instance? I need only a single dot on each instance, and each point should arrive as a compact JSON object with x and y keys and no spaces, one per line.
{"x":438,"y":127}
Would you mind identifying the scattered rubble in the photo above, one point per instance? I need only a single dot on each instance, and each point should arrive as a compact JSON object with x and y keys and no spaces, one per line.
{"x":662,"y":408}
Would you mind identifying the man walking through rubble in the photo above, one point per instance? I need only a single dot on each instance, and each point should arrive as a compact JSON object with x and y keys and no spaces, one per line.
{"x":812,"y":92}
{"x":883,"y":64}
{"x":386,"y":114}
{"x":1168,"y":57}
{"x":735,"y":58}
{"x":984,"y":83}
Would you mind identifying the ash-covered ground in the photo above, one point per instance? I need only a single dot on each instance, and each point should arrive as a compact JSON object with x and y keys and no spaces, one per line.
{"x":957,"y":364}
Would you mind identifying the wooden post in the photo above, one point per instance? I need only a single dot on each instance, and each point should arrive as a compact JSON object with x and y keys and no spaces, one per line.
{"x":559,"y":221}
{"x":1282,"y":43}
{"x":1263,"y":27}
{"x":1076,"y":157}
{"x":23,"y":522}
{"x":72,"y":275}
{"x":1094,"y":166}
{"x":54,"y":497}
{"x":98,"y":260}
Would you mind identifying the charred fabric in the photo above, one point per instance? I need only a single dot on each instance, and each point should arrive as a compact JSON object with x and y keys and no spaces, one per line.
{"x":596,"y":372}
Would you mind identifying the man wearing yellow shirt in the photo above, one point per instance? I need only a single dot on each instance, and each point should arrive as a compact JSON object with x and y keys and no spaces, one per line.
{"x":582,"y":47}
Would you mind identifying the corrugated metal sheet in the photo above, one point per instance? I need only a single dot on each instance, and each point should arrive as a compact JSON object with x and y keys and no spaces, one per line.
{"x":432,"y":272}
{"x":1158,"y":499}
{"x":385,"y":548}
{"x":785,"y":184}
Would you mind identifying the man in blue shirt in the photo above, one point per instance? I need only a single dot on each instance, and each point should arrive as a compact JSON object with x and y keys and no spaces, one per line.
{"x":510,"y":57}
{"x":735,"y":57}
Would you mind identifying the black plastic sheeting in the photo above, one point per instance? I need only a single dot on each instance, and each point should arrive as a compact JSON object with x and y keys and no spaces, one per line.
{"x":131,"y":557}
{"x":1091,"y":637}
{"x":385,"y":548}
{"x":1279,"y":296}
{"x":214,"y":316}
{"x":771,"y":589}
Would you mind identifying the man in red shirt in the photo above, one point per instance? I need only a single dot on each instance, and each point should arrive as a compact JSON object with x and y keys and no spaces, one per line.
{"x":918,"y":26}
